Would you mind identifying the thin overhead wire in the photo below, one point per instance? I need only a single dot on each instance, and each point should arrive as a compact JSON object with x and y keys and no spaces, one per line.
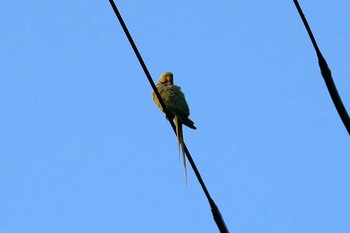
{"x":326,"y":73}
{"x":214,"y":209}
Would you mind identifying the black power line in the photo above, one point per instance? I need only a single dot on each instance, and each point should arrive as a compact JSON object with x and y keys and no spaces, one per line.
{"x":214,"y":209}
{"x":326,"y":74}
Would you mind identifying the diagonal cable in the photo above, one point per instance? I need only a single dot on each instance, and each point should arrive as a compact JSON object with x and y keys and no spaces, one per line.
{"x":326,"y":74}
{"x":214,"y":209}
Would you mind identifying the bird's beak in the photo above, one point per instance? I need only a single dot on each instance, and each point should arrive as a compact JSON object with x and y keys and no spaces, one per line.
{"x":169,"y":79}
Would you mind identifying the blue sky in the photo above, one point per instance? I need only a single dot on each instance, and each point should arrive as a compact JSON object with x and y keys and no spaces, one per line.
{"x":84,"y":149}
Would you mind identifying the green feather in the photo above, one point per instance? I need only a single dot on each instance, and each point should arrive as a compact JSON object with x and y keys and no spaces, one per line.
{"x":180,"y":141}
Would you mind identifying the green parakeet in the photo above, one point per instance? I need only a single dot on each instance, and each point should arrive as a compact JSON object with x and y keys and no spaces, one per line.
{"x":176,"y":103}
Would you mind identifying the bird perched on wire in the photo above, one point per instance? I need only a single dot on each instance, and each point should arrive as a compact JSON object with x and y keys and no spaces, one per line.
{"x":178,"y":109}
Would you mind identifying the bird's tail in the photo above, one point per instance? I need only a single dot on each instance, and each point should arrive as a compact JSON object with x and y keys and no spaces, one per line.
{"x":180,"y":140}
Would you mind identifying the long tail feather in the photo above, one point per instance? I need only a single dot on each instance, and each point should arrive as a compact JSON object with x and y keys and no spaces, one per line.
{"x":177,"y":125}
{"x":181,"y":144}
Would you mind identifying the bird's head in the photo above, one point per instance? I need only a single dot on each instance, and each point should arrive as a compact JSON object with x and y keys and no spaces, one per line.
{"x":166,"y":77}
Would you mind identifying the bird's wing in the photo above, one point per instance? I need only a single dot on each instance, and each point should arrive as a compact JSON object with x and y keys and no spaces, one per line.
{"x":176,"y":102}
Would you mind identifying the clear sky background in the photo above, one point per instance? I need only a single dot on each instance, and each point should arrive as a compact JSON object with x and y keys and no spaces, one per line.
{"x":84,"y":149}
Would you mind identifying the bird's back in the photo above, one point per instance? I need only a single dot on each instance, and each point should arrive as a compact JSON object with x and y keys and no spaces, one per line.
{"x":175,"y":101}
